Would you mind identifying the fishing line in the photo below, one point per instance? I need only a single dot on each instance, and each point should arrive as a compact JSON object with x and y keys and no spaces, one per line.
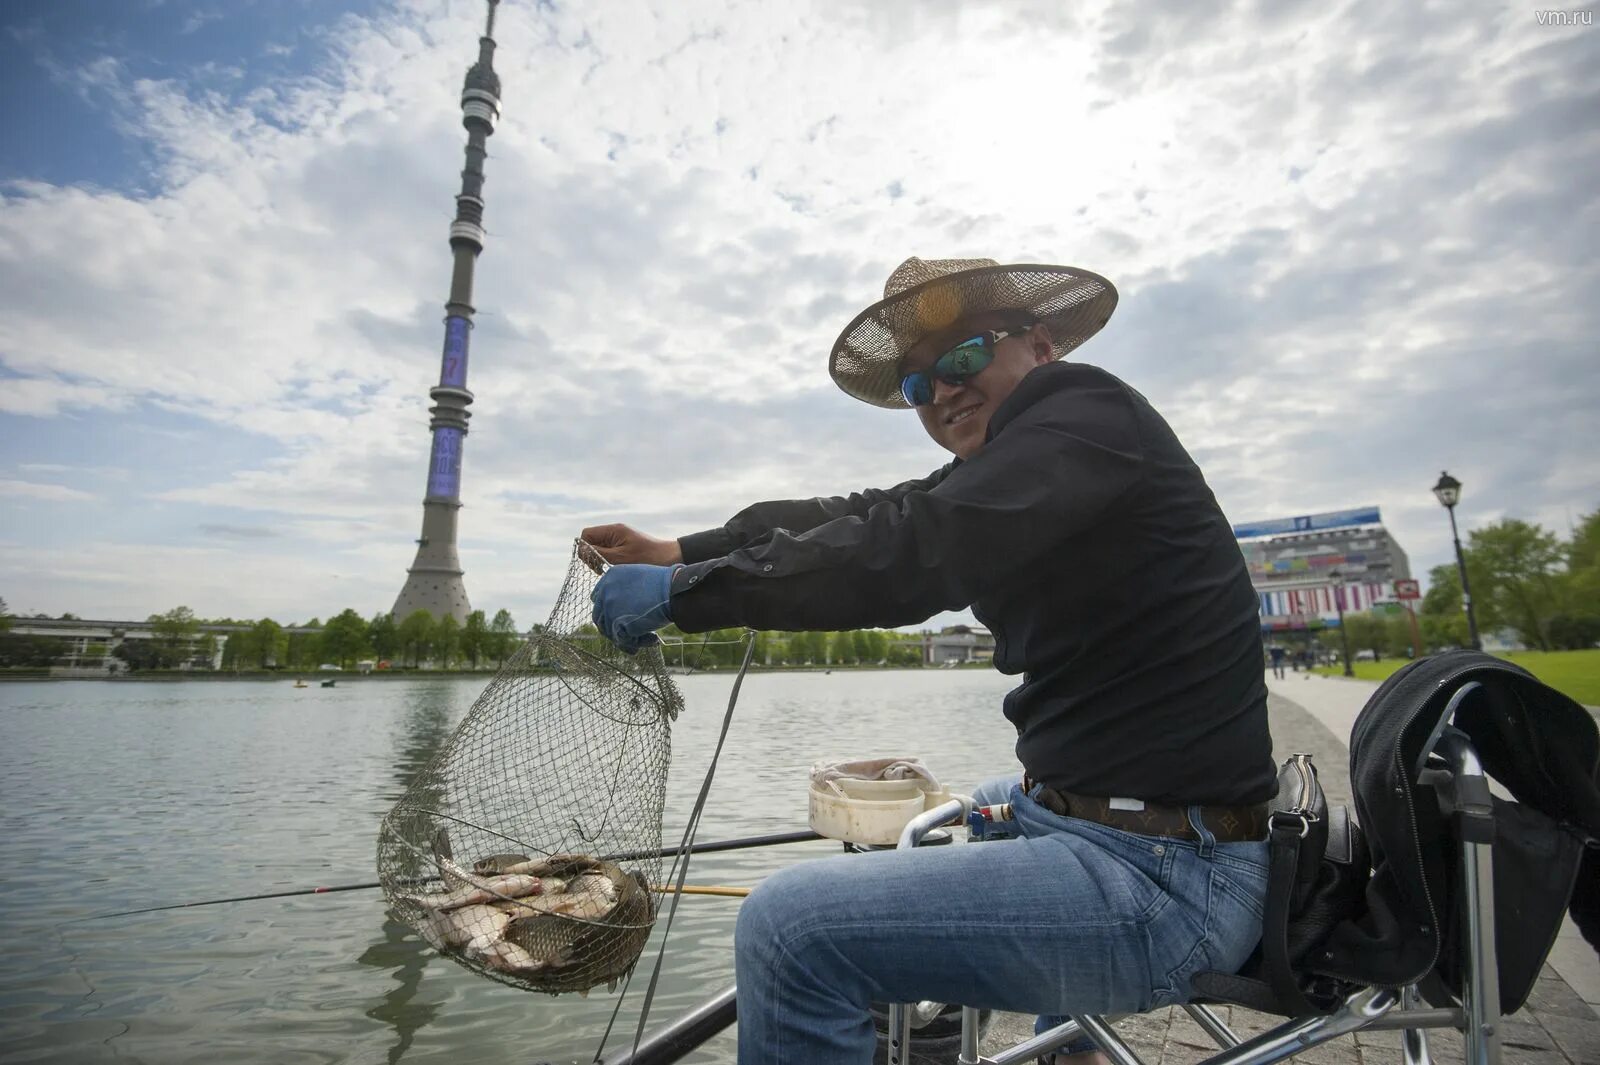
{"x":742,"y":843}
{"x":480,"y":828}
{"x":685,"y":851}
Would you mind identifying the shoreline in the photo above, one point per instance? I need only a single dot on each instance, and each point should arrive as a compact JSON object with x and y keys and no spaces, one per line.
{"x":315,"y":679}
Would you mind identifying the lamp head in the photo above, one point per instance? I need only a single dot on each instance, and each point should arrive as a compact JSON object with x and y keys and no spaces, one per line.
{"x":1448,"y":490}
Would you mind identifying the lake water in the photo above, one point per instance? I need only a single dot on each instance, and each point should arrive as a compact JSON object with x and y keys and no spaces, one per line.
{"x":120,"y":795}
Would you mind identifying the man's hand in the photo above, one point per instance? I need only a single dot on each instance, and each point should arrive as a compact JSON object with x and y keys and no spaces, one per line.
{"x":622,"y":546}
{"x":630,"y":604}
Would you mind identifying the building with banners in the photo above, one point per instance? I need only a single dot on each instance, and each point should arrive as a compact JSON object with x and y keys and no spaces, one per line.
{"x":1308,"y":568}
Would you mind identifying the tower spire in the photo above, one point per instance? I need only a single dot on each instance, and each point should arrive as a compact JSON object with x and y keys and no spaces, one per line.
{"x":433,"y":583}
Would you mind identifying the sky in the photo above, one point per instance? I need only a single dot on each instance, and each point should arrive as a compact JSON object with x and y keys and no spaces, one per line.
{"x":1355,"y":245}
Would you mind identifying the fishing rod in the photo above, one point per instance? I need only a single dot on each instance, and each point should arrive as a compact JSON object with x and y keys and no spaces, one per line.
{"x":742,"y":843}
{"x":721,"y":890}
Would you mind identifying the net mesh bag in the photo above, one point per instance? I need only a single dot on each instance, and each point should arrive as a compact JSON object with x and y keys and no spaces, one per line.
{"x":527,"y":849}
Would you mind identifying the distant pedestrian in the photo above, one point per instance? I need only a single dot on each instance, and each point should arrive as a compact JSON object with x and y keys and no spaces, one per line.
{"x":1277,"y":660}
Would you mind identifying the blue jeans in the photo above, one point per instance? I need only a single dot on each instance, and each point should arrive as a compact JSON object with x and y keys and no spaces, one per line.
{"x":1069,"y":916}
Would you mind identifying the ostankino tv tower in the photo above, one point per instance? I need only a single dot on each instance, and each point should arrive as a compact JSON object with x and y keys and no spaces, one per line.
{"x":433,"y":583}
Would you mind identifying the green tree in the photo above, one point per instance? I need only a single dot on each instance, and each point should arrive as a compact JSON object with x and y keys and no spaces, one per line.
{"x":1367,"y":633}
{"x":5,"y":616}
{"x":416,"y":635}
{"x":840,"y":648}
{"x":1583,"y":561}
{"x":861,"y":647}
{"x":1522,"y":566}
{"x":344,"y":639}
{"x":383,"y":635}
{"x":815,"y":647}
{"x":138,"y":654}
{"x":446,"y":640}
{"x":474,"y":637}
{"x":267,"y":644}
{"x":232,"y":648}
{"x":1442,"y":620}
{"x":1577,"y":624}
{"x":305,"y":648}
{"x":174,"y":632}
{"x":503,"y":632}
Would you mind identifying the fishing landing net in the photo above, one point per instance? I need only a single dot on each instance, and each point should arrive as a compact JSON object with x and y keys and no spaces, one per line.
{"x":528,"y":848}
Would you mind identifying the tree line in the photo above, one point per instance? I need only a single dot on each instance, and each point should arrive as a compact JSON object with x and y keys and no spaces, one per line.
{"x":724,"y":648}
{"x":178,"y":641}
{"x":1524,"y":578}
{"x":348,"y":638}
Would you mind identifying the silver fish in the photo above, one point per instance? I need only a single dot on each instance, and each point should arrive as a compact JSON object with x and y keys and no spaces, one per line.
{"x":474,"y":928}
{"x":509,"y":958}
{"x":562,"y":865}
{"x":499,"y":863}
{"x":597,"y":927}
{"x":445,"y":860}
{"x":482,"y":890}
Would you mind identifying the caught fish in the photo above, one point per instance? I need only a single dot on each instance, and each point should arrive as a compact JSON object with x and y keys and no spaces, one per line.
{"x":570,"y":928}
{"x":474,"y":929}
{"x":500,"y":863}
{"x":491,"y":889}
{"x":562,"y":865}
{"x":565,"y":922}
{"x":449,"y":872}
{"x":509,"y":958}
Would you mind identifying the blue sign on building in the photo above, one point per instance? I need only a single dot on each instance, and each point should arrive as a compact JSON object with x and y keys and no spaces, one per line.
{"x":1331,"y":519}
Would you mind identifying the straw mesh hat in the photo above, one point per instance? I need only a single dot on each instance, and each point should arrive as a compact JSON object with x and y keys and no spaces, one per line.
{"x":925,"y":295}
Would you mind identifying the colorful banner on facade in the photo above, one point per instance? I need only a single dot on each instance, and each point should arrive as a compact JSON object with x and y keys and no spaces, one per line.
{"x":1323,"y":600}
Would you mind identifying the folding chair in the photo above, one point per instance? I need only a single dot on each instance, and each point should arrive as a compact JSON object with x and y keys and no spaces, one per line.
{"x":1431,"y":736}
{"x":1462,"y":987}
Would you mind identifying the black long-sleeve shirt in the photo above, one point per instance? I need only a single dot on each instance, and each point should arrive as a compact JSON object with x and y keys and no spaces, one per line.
{"x":1086,"y":539}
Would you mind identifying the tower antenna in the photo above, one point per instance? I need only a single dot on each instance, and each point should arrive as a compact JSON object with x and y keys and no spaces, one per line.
{"x":434,"y":581}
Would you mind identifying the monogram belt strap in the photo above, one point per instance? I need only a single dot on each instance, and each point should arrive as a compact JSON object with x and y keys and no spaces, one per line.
{"x":1229,"y":824}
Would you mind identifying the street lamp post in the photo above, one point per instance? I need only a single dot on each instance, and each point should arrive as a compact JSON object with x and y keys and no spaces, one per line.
{"x":1448,"y":491}
{"x":1338,"y":604}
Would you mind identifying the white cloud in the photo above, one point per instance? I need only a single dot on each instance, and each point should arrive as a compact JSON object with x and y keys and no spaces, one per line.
{"x":1353,"y":246}
{"x":56,"y":493}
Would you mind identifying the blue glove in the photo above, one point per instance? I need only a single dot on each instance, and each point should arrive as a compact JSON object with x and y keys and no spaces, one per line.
{"x":630,"y":604}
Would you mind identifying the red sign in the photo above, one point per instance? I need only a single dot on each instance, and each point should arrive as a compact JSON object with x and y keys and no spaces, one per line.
{"x":1407,"y":590}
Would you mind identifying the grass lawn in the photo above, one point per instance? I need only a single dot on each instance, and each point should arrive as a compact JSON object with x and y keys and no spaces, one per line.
{"x":1577,"y":673}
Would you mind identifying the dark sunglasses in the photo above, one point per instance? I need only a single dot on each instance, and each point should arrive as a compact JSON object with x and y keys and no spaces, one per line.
{"x":954,"y":367}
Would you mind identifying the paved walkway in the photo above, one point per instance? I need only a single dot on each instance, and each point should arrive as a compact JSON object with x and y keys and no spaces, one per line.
{"x":1560,"y":1025}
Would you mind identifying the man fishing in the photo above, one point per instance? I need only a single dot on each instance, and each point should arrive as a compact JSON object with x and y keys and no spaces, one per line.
{"x":1078,"y":529}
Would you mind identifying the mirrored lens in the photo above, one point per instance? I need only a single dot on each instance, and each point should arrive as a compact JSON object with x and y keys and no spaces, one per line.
{"x":953,"y":368}
{"x":917,"y":389}
{"x":963,"y":360}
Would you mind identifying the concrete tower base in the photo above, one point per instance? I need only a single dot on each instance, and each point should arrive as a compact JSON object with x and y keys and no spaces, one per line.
{"x":434,"y":581}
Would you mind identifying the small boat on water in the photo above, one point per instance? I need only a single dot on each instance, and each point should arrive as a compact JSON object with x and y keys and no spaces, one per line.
{"x":301,"y":684}
{"x":329,"y":683}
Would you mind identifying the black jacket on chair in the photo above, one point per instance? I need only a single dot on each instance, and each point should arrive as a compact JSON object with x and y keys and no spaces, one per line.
{"x":1543,"y":748}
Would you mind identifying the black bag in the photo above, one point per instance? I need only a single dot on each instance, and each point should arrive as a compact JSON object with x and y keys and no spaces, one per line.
{"x":1317,"y":877}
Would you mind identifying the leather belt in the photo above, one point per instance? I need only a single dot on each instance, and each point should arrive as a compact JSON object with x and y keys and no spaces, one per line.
{"x":1229,"y":824}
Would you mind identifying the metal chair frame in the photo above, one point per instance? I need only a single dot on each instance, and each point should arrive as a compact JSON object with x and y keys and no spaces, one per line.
{"x":1370,"y":1009}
